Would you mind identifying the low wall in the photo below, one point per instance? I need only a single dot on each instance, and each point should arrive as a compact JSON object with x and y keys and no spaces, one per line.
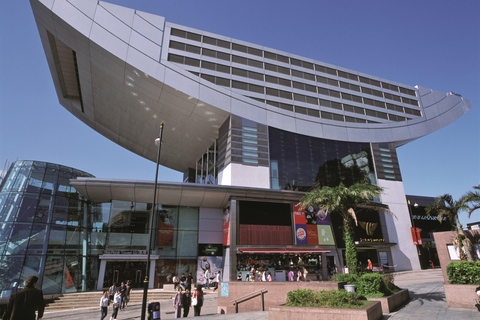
{"x":394,"y":301}
{"x":372,"y":311}
{"x":276,"y":295}
{"x":460,"y":295}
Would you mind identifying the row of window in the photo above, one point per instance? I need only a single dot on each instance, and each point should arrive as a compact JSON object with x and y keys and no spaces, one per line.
{"x":271,"y":56}
{"x":299,"y":85}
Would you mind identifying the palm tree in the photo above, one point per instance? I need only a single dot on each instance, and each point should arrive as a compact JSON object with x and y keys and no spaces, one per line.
{"x":446,"y":208}
{"x":344,"y":201}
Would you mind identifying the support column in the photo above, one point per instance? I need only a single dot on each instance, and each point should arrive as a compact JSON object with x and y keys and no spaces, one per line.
{"x":101,"y":274}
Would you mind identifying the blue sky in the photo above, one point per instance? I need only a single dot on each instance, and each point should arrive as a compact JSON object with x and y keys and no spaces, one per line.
{"x":435,"y":44}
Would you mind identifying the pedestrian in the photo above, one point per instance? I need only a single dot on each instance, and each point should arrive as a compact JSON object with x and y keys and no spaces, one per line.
{"x":128,"y":293}
{"x":299,"y":275}
{"x":197,"y":301}
{"x":477,"y":291}
{"x":269,"y":277}
{"x":291,"y":275}
{"x":176,"y":281}
{"x":178,"y":302}
{"x":104,"y":302}
{"x":123,"y":291}
{"x":117,"y":300}
{"x":23,"y":304}
{"x":217,"y":281}
{"x":305,"y":273}
{"x":187,"y":302}
{"x":112,"y":290}
{"x":369,"y":264}
{"x":207,"y":279}
{"x":183,"y":281}
{"x":239,"y":277}
{"x":189,"y":281}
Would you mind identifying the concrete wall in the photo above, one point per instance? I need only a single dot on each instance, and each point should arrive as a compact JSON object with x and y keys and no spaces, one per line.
{"x":404,"y":254}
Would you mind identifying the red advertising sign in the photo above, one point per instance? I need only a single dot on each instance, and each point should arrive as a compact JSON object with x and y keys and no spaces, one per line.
{"x":299,"y":214}
{"x":414,"y":236}
{"x":419,"y":238}
{"x":226,"y":228}
{"x":312,"y":234}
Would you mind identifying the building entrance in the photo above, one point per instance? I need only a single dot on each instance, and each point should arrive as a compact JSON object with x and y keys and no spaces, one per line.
{"x":122,"y":271}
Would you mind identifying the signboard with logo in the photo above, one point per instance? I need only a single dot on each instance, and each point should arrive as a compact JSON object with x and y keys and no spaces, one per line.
{"x":226,"y":228}
{"x":312,"y":226}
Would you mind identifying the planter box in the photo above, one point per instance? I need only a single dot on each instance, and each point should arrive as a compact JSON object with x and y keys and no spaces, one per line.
{"x":393,"y":302}
{"x":460,"y":295}
{"x":372,"y":311}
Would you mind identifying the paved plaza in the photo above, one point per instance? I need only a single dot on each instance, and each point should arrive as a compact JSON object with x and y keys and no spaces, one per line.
{"x":426,"y":292}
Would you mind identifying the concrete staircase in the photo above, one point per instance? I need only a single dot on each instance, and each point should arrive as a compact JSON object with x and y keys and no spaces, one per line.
{"x":92,"y":299}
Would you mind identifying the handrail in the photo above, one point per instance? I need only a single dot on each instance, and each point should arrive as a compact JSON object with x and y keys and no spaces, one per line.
{"x":251,"y":295}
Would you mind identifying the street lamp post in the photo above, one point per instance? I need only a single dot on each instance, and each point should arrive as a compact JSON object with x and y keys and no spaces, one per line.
{"x":158,"y":142}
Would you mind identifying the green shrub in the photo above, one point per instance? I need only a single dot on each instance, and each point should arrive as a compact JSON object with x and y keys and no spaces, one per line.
{"x":324,"y":299}
{"x":371,"y":284}
{"x":464,"y":272}
{"x":349,"y":278}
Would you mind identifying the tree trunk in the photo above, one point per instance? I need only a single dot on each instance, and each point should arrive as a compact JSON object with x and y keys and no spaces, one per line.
{"x":350,"y":249}
{"x":463,"y":241}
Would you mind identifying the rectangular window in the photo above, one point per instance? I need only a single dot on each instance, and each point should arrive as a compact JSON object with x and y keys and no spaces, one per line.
{"x":249,"y":141}
{"x":249,"y":128}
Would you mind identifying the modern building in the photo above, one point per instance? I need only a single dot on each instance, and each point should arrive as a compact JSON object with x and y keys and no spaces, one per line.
{"x":251,"y":127}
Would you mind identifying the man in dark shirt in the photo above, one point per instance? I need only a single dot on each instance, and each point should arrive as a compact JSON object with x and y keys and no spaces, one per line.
{"x":123,"y":290}
{"x":189,"y":281}
{"x":23,"y":304}
{"x":128,"y":293}
{"x":183,"y":281}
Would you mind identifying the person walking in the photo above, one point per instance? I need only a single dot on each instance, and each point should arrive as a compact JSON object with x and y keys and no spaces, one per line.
{"x":207,"y":279}
{"x":178,"y":302}
{"x":198,"y":296}
{"x":23,"y":304}
{"x":291,"y":275}
{"x":128,"y":293}
{"x":104,"y":301}
{"x":189,"y":281}
{"x":111,"y":291}
{"x":117,"y":299}
{"x":123,"y":290}
{"x":187,"y":302}
{"x":269,"y":277}
{"x":217,"y":281}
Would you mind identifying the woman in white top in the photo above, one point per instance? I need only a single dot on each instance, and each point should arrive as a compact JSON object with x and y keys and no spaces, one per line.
{"x":116,"y":304}
{"x":104,"y":300}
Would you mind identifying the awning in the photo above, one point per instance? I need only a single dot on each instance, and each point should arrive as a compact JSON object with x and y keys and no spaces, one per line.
{"x":280,"y":251}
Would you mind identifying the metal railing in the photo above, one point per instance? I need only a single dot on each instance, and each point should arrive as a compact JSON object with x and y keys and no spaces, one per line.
{"x":249,"y":296}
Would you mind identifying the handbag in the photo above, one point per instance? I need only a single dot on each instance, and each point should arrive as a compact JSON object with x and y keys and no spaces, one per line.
{"x":194,"y":301}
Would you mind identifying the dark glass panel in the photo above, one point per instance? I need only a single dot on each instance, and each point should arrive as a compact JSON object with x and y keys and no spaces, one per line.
{"x":22,"y":177}
{"x":36,"y":177}
{"x":27,"y":210}
{"x":10,"y":271}
{"x":49,"y":179}
{"x":9,"y":210}
{"x":11,"y":176}
{"x":4,"y":235}
{"x":56,"y":240}
{"x":31,"y":266}
{"x":60,"y":211}
{"x":43,"y":207}
{"x":53,"y":277}
{"x":38,"y":236}
{"x":18,"y":241}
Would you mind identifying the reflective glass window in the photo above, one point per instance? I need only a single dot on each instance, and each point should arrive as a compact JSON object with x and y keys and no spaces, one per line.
{"x":10,"y":271}
{"x":28,"y":207}
{"x":17,"y":244}
{"x":60,"y":210}
{"x":9,"y":210}
{"x":38,"y":237}
{"x":76,"y":241}
{"x":22,"y":177}
{"x":187,"y":243}
{"x":99,"y":217}
{"x":53,"y":276}
{"x":188,"y":218}
{"x":49,"y":178}
{"x":11,"y":176}
{"x":36,"y":177}
{"x":43,"y":207}
{"x":31,"y":266}
{"x":5,"y":229}
{"x":56,"y":240}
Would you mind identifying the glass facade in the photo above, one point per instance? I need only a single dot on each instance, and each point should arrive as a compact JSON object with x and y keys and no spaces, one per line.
{"x":44,"y":229}
{"x":298,"y":162}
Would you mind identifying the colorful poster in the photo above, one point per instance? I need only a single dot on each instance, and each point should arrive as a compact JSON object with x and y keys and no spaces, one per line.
{"x":299,"y":214}
{"x":301,"y":234}
{"x":312,"y":234}
{"x":325,"y":235}
{"x":322,"y":217}
{"x":211,"y":263}
{"x":226,"y":228}
{"x":165,"y":228}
